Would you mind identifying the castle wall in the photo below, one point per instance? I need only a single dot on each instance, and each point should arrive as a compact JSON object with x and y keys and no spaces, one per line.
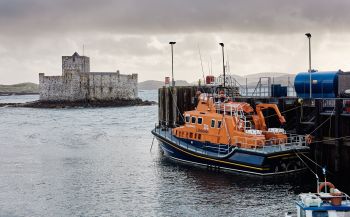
{"x":77,"y":83}
{"x":91,"y":86}
{"x":111,"y":86}
{"x":51,"y":87}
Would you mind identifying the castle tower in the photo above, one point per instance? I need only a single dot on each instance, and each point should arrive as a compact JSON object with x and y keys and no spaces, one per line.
{"x":75,"y":63}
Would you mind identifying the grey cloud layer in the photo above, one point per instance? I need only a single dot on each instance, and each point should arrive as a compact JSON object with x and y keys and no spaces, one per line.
{"x":133,"y":36}
{"x":169,"y":16}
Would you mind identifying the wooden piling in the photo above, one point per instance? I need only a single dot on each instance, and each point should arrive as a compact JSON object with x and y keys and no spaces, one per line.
{"x":337,"y":133}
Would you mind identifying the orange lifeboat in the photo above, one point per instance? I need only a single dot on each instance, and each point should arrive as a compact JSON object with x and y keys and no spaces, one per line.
{"x":233,"y":135}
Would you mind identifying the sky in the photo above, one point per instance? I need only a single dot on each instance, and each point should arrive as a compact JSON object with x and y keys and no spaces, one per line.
{"x":133,"y":36}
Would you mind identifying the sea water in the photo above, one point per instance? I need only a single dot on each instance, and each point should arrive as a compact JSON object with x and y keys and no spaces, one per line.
{"x":99,"y":162}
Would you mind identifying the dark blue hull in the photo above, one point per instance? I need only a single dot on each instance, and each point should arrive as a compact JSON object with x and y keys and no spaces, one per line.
{"x":232,"y":158}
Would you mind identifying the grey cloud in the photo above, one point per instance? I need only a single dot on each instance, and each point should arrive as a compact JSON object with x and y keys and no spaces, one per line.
{"x":169,"y":16}
{"x":149,"y":56}
{"x":133,"y":36}
{"x":125,"y":46}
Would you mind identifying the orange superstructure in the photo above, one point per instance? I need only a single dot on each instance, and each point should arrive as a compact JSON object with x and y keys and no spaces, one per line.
{"x":218,"y":120}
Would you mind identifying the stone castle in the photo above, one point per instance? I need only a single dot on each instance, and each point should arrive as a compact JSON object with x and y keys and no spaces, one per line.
{"x":77,"y":83}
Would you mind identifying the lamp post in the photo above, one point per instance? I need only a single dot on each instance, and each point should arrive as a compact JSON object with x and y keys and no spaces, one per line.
{"x":172,"y":62}
{"x":308,"y":35}
{"x":223,"y":62}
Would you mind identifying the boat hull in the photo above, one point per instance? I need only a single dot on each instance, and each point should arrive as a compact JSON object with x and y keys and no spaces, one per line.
{"x":236,"y":160}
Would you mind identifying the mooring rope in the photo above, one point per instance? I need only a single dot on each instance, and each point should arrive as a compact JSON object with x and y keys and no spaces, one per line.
{"x":314,"y":162}
{"x":150,"y":150}
{"x":330,"y":116}
{"x":304,"y":163}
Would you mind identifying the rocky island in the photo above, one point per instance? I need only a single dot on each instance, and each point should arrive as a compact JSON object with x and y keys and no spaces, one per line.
{"x":78,"y":87}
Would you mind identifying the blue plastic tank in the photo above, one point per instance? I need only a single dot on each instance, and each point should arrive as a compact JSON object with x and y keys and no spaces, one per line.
{"x":324,"y":84}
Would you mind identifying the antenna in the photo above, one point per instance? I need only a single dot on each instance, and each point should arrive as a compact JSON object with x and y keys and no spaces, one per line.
{"x":325,"y":179}
{"x":211,"y":66}
{"x":200,"y":57}
{"x":227,"y":65}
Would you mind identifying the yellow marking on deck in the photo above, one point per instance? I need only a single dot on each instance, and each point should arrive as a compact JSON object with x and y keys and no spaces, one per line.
{"x":282,"y":155}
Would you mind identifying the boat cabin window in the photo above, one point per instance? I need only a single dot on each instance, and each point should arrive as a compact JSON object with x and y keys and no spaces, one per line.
{"x":193,"y":120}
{"x":187,"y":119}
{"x":200,"y":120}
{"x":219,"y":124}
{"x":212,"y":123}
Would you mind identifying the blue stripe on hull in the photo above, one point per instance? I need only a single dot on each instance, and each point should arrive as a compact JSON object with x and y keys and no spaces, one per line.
{"x":177,"y":153}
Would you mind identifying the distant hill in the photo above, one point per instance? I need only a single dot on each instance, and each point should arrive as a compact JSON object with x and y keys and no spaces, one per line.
{"x":277,"y":78}
{"x":150,"y":85}
{"x":31,"y":88}
{"x":22,"y":88}
{"x":153,"y":85}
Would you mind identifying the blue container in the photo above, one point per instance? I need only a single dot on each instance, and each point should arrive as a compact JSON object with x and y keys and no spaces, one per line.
{"x":324,"y":84}
{"x":278,"y":90}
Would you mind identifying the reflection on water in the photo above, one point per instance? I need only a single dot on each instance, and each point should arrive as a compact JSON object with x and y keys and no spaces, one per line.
{"x":202,"y":192}
{"x":97,"y":162}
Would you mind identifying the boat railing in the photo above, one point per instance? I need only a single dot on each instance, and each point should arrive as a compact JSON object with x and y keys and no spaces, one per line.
{"x":230,"y":109}
{"x":234,"y":110}
{"x":221,"y":150}
{"x":293,"y":141}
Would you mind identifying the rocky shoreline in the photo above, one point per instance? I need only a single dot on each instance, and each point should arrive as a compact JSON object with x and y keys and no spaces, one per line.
{"x":17,"y":93}
{"x":84,"y":104}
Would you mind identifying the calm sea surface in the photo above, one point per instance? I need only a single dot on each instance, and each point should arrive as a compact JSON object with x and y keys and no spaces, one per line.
{"x":97,"y":162}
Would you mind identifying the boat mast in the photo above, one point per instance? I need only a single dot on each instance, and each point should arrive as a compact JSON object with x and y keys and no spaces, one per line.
{"x":200,"y":57}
